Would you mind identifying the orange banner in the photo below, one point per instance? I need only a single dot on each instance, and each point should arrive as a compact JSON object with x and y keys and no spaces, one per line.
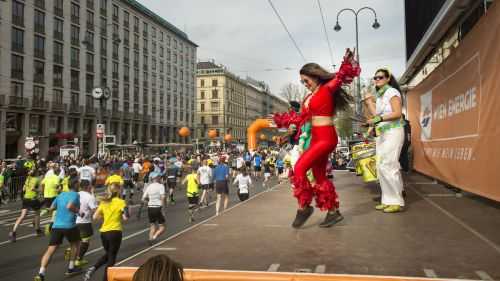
{"x":455,"y":113}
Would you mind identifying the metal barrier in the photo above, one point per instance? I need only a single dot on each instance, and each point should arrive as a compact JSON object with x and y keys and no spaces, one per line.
{"x":15,"y":187}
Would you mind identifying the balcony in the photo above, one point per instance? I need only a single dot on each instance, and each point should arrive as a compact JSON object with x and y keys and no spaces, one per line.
{"x":58,"y":11}
{"x":90,"y":26}
{"x":74,"y":108}
{"x":18,"y":20}
{"x":39,"y":104}
{"x":115,"y":18}
{"x":17,"y":47}
{"x":90,"y":4}
{"x":40,"y":28}
{"x":58,"y":35}
{"x":75,"y":19}
{"x":90,"y":68}
{"x":58,"y":59}
{"x":17,"y":74}
{"x":58,"y":106}
{"x":19,"y":102}
{"x":40,"y":4}
{"x":75,"y":63}
{"x":103,"y":12}
{"x":90,"y":110}
{"x":39,"y":78}
{"x":75,"y":41}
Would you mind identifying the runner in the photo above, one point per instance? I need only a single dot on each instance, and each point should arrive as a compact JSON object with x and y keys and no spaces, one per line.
{"x":192,"y":192}
{"x":87,"y":172}
{"x":114,"y":178}
{"x":128,"y":185}
{"x":113,"y":210}
{"x":154,"y":194}
{"x":137,"y":167}
{"x":88,"y":205}
{"x":267,"y":172}
{"x":66,"y":205}
{"x":244,"y":181}
{"x":257,"y":161}
{"x":221,"y":176}
{"x":50,"y":186}
{"x":30,"y":203}
{"x":205,"y":175}
{"x":172,"y":172}
{"x":280,"y":164}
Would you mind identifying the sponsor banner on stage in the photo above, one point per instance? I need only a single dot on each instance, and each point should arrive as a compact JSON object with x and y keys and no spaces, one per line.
{"x":455,"y":113}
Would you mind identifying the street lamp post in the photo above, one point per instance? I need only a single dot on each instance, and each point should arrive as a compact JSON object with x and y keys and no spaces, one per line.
{"x":337,"y":28}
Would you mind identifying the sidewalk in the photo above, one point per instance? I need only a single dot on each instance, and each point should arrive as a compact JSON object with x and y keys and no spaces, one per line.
{"x":439,"y":235}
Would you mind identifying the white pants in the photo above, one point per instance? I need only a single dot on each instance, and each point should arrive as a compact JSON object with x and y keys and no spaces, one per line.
{"x":389,"y":146}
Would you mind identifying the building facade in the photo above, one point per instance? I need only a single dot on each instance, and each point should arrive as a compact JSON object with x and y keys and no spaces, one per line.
{"x":228,"y":104}
{"x":54,"y":53}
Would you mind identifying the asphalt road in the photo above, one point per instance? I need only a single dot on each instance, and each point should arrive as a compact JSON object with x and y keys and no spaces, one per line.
{"x":20,"y":261}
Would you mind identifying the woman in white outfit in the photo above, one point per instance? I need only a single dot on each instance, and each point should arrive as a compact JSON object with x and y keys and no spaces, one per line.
{"x":386,"y":109}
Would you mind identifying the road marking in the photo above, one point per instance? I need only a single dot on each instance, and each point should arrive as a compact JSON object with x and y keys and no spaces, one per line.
{"x":210,"y":224}
{"x":187,"y":229}
{"x":458,"y":221}
{"x":320,"y":268}
{"x":275,"y":225}
{"x":483,"y":275}
{"x":17,"y":239}
{"x":274,"y":267}
{"x":4,"y":211}
{"x":165,"y":249}
{"x":430,"y":273}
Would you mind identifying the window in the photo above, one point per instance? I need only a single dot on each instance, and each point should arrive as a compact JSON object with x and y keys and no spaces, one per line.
{"x":38,"y":96}
{"x":126,"y":55}
{"x":58,"y":96}
{"x":90,"y":20}
{"x":74,"y":100}
{"x":215,"y":120}
{"x":161,"y":51}
{"x":58,"y":76}
{"x":103,"y":6}
{"x":115,"y":70}
{"x":75,"y":35}
{"x":58,"y":7}
{"x":115,"y":13}
{"x":215,"y":94}
{"x":89,"y":40}
{"x":214,"y":106}
{"x":17,"y":40}
{"x":16,"y":89}
{"x":17,"y":13}
{"x":202,"y":95}
{"x":90,"y":62}
{"x":126,"y":73}
{"x":104,"y":44}
{"x":136,"y":24}
{"x":126,"y":18}
{"x":75,"y":13}
{"x":58,"y":52}
{"x":90,"y":4}
{"x":17,"y":67}
{"x":104,"y":68}
{"x":58,"y":29}
{"x":136,"y":59}
{"x":75,"y":57}
{"x":89,"y":83}
{"x":214,"y":83}
{"x":39,"y":21}
{"x":115,"y":50}
{"x":202,"y":107}
{"x":75,"y":80}
{"x":145,"y":29}
{"x":145,"y":45}
{"x":39,"y":72}
{"x":126,"y":37}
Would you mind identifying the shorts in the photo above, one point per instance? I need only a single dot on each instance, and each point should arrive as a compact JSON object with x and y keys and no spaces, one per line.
{"x":280,"y":170}
{"x":248,"y":164}
{"x":171,"y":184}
{"x":128,"y":184}
{"x":58,"y":234}
{"x":257,"y":168}
{"x":155,"y":215}
{"x":205,"y":186}
{"x":193,"y":200}
{"x":31,"y":204}
{"x":135,"y":177}
{"x":243,"y":196}
{"x":267,"y":174}
{"x":86,"y":230}
{"x":221,"y":187}
{"x":47,"y":202}
{"x":211,"y":186}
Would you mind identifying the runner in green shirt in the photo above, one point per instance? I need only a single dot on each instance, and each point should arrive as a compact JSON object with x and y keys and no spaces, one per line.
{"x":30,"y":203}
{"x":51,"y":185}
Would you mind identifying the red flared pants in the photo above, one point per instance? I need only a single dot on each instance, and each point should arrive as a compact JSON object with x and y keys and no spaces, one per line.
{"x":323,"y":142}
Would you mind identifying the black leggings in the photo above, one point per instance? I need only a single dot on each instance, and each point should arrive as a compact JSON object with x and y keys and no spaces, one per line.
{"x":111,"y":241}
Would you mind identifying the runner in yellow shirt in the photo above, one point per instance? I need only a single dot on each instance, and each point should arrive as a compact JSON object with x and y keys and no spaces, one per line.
{"x":51,"y":185}
{"x":192,"y":191}
{"x":113,"y":211}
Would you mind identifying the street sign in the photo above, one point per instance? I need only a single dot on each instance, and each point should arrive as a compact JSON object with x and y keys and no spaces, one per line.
{"x":109,"y":140}
{"x":29,"y":143}
{"x":97,"y":93}
{"x":100,"y":129}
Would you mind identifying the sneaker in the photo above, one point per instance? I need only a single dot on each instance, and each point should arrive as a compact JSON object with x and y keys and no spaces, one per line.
{"x":81,"y":263}
{"x":88,"y":274}
{"x":302,"y":216}
{"x":331,"y":219}
{"x":39,"y":277}
{"x":393,"y":209}
{"x":67,"y":254}
{"x":73,"y":271}
{"x":38,"y":232}
{"x":12,"y":237}
{"x":381,"y":207}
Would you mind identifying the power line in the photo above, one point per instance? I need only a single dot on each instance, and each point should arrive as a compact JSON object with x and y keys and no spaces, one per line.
{"x":326,"y":32}
{"x":287,"y":31}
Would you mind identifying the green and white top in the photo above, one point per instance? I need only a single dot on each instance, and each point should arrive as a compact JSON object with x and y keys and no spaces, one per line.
{"x":383,"y":106}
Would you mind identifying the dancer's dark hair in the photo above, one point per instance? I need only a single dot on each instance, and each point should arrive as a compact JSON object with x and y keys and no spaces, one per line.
{"x":341,"y":98}
{"x":159,"y":268}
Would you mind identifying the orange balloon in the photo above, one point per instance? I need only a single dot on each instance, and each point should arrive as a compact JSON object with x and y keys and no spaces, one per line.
{"x":184,"y":132}
{"x":263,"y":137}
{"x":274,"y":138}
{"x":212,"y":133}
{"x":228,"y":138}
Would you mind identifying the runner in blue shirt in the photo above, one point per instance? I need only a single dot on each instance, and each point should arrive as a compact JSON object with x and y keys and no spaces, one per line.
{"x":257,"y":160}
{"x":221,"y":177}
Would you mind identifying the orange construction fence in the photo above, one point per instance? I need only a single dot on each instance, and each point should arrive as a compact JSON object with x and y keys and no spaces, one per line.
{"x":252,"y":131}
{"x":127,"y":273}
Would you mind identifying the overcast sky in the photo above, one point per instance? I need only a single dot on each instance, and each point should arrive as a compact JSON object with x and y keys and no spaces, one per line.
{"x":247,"y":37}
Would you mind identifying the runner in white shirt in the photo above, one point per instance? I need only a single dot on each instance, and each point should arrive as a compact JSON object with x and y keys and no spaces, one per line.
{"x":154,"y":193}
{"x":88,"y":205}
{"x":244,"y":181}
{"x":240,"y":162}
{"x":205,"y":175}
{"x":87,"y":172}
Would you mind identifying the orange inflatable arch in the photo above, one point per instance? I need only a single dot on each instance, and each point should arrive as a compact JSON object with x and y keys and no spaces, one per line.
{"x":253,"y":130}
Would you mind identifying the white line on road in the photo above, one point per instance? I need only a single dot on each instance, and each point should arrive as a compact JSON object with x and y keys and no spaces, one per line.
{"x":4,"y":211}
{"x":165,"y":249}
{"x":320,"y":268}
{"x":430,"y":273}
{"x":18,"y":238}
{"x":483,"y":275}
{"x":274,"y":267}
{"x":210,"y":224}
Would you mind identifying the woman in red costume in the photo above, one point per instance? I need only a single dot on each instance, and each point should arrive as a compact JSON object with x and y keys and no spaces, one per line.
{"x":319,"y":107}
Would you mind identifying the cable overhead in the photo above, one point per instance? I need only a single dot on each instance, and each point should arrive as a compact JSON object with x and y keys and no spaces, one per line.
{"x":326,"y":33}
{"x":287,"y":31}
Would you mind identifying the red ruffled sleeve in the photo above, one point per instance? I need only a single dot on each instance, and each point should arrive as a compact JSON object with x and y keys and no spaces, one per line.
{"x":287,"y":119}
{"x":347,"y":71}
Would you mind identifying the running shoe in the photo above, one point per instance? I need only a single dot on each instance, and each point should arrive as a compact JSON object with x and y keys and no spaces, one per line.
{"x":381,"y":207}
{"x":393,"y":209}
{"x":331,"y":219}
{"x":89,"y":273}
{"x":67,"y":254}
{"x":81,"y":263}
{"x":302,"y":216}
{"x":38,"y":232}
{"x":12,"y":237}
{"x":39,"y":277}
{"x":73,"y":271}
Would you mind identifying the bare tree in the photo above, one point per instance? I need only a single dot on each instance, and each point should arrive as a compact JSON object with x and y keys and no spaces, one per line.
{"x":293,"y":92}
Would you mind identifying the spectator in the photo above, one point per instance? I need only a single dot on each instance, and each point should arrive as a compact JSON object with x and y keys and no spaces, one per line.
{"x":159,"y":268}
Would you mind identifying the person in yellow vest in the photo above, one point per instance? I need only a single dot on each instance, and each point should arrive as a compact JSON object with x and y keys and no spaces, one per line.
{"x":113,"y":211}
{"x":51,"y":185}
{"x":30,"y":203}
{"x":192,"y":191}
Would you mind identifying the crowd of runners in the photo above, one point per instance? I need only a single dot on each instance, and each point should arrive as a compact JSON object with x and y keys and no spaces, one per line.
{"x":74,"y":193}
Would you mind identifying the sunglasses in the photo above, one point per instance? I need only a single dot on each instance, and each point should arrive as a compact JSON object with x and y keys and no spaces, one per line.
{"x":304,"y":82}
{"x":376,"y":78}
